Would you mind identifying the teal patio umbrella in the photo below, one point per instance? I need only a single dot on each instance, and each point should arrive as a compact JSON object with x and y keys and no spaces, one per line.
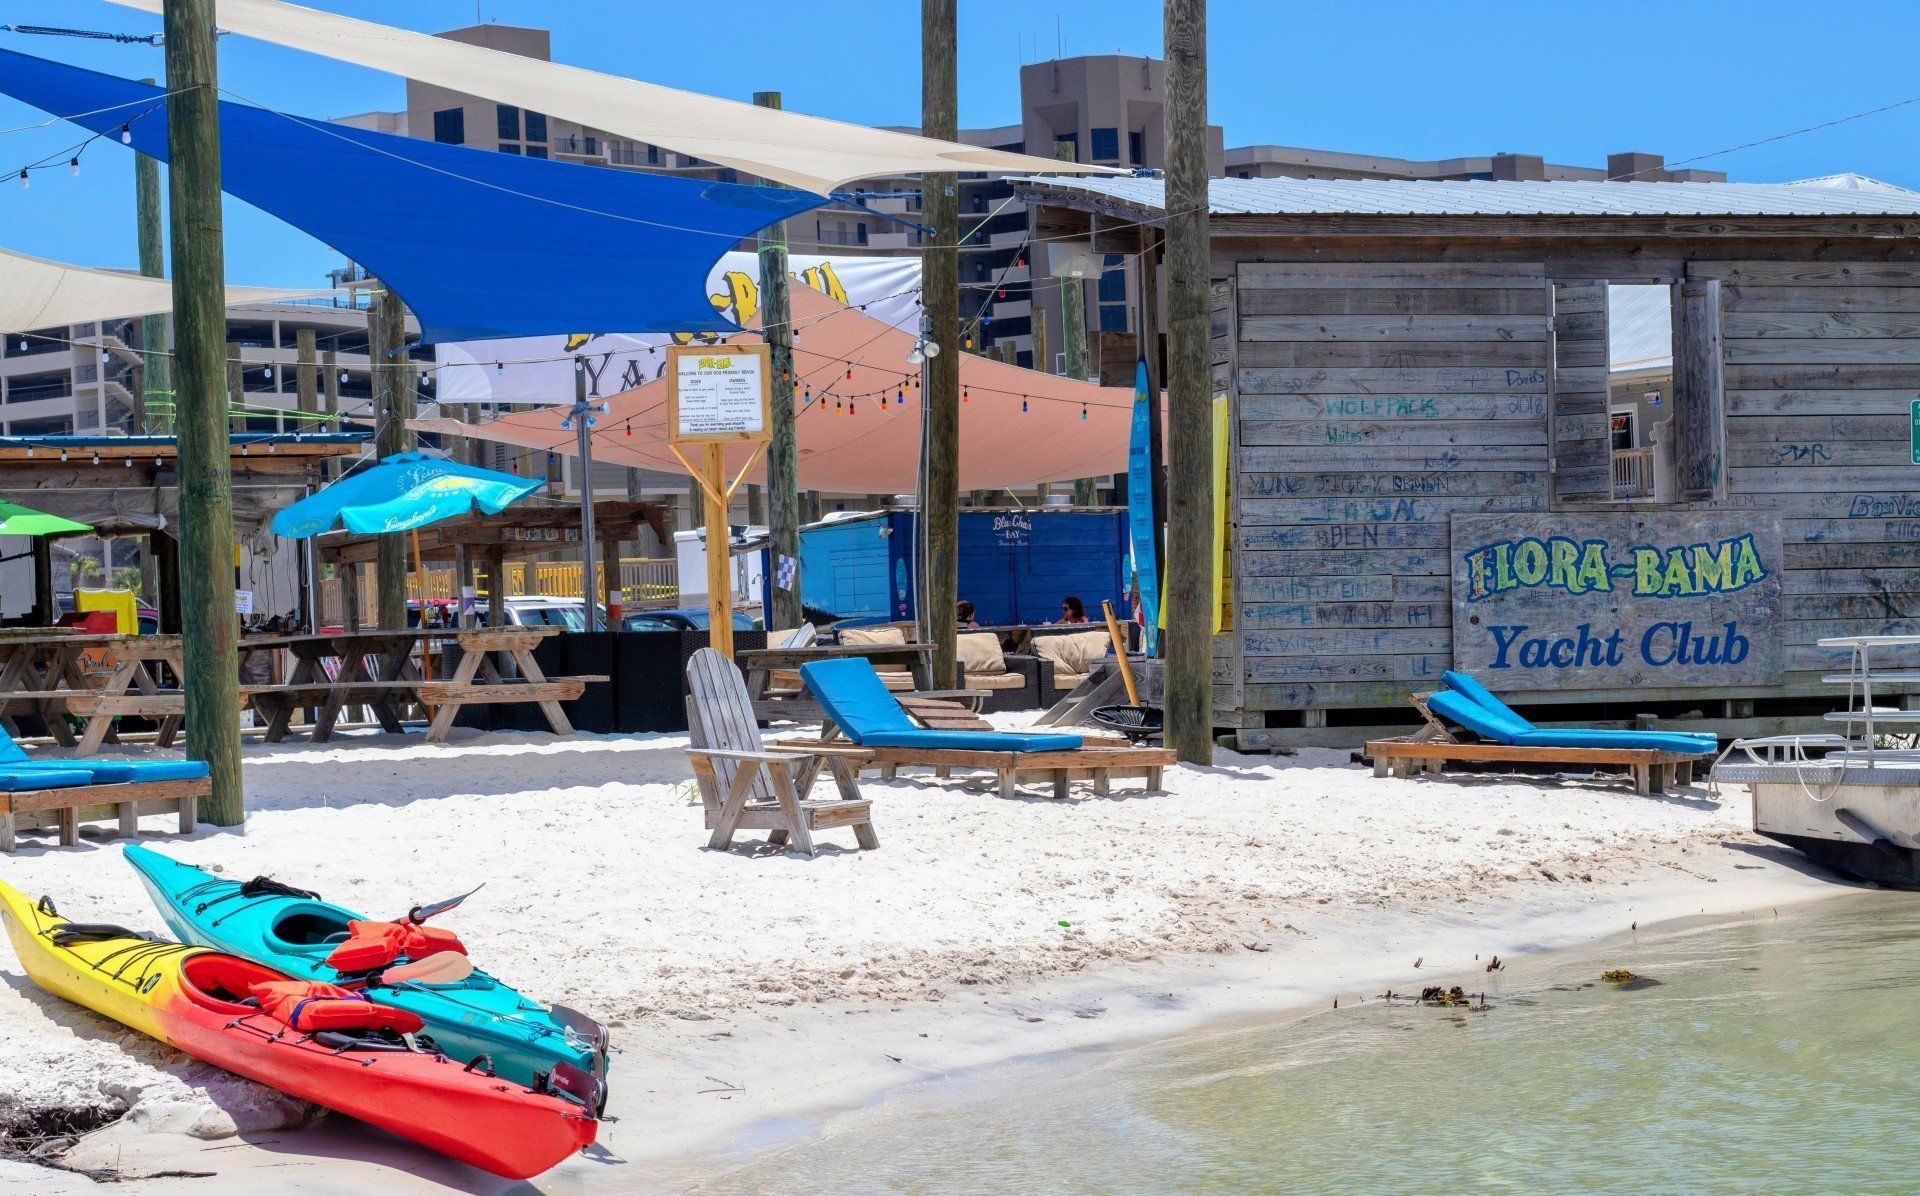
{"x":403,"y":492}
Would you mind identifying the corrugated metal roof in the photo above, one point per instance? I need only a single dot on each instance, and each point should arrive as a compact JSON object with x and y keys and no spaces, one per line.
{"x":1853,"y":182}
{"x":1399,"y":197}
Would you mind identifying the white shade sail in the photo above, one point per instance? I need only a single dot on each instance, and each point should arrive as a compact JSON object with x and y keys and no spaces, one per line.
{"x":799,"y":151}
{"x":36,"y":293}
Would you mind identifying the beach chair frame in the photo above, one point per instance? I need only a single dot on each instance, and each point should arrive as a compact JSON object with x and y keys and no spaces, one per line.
{"x":124,"y":801}
{"x":1099,"y":760}
{"x":747,"y":785}
{"x":1430,"y":749}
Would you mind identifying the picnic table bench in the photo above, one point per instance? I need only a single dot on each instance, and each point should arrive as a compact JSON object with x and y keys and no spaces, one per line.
{"x":44,"y":672}
{"x":381,"y":670}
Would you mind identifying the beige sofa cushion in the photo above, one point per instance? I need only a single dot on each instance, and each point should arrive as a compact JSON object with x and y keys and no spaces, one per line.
{"x":980,"y":655}
{"x":1074,"y":652}
{"x":877,"y":636}
{"x":995,"y":680}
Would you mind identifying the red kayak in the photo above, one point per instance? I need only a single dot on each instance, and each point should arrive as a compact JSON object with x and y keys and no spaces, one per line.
{"x":317,"y":1042}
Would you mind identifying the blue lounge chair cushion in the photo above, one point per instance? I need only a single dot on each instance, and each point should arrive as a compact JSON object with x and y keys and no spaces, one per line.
{"x":1465,"y":685}
{"x":11,"y":752}
{"x":973,"y":741}
{"x":1692,"y":742}
{"x":1514,"y":731}
{"x":1684,"y":743}
{"x":858,"y":702}
{"x":115,"y":772}
{"x":118,"y":772}
{"x":102,"y":772}
{"x":1490,"y":725}
{"x":17,"y":780}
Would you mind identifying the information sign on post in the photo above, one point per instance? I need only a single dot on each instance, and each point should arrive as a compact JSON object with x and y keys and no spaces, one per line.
{"x":719,"y":395}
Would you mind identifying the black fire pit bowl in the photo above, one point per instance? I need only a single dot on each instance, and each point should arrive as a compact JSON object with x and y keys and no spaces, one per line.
{"x":1137,"y":723}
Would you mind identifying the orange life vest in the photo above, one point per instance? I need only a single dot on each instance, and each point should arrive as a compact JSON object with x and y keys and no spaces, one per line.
{"x":311,"y":1006}
{"x":376,"y":944}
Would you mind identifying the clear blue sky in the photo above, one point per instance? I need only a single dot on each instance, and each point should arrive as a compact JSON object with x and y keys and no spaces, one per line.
{"x":1431,"y":79}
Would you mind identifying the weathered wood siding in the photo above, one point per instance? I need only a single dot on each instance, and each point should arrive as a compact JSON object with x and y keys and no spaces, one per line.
{"x":1821,"y":365}
{"x":1373,"y":401}
{"x":1381,"y":389}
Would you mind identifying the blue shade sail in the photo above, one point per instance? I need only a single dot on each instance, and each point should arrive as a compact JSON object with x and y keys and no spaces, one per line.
{"x":402,"y":492}
{"x":479,"y":244}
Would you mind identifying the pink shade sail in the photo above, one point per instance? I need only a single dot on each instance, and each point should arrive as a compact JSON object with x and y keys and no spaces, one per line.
{"x":858,"y":422}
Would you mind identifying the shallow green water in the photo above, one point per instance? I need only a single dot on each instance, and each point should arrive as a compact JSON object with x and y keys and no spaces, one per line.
{"x":1780,"y":1054}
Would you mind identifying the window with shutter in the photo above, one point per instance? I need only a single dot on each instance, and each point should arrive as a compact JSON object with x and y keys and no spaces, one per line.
{"x":1578,"y":407}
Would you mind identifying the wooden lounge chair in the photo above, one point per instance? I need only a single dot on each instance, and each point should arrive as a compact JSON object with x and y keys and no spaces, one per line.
{"x":73,"y":791}
{"x":1656,"y":760}
{"x":858,"y":705}
{"x":746,"y":786}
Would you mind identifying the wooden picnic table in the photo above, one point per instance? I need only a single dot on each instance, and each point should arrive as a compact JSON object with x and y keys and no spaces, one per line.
{"x":43,"y":671}
{"x":760,"y":664}
{"x":380,"y":670}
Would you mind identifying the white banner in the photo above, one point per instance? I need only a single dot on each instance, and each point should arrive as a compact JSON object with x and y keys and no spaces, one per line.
{"x":538,"y":370}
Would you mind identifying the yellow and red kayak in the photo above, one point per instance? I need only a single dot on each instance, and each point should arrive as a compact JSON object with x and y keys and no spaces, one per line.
{"x":197,"y":1000}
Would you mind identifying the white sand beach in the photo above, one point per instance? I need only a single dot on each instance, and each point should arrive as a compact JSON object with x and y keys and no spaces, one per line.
{"x":749,"y":986}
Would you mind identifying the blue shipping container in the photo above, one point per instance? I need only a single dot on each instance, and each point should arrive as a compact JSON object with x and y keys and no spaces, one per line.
{"x":1015,"y":566}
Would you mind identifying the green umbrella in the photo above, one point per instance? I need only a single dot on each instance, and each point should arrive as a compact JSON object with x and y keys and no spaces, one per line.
{"x":16,"y":520}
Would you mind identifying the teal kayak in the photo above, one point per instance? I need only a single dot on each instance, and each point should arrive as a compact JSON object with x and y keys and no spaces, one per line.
{"x":294,"y":931}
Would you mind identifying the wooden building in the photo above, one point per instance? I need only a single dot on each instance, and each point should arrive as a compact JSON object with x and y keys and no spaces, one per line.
{"x":1423,"y":472}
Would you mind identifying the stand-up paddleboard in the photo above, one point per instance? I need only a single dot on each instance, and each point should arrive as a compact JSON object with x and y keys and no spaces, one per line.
{"x":1146,"y":565}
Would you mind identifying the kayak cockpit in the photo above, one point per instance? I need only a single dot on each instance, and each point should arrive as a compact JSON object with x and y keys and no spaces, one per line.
{"x":222,"y":982}
{"x":309,"y":928}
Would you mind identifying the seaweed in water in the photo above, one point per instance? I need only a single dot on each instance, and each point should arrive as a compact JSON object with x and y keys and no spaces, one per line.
{"x":1627,"y":981}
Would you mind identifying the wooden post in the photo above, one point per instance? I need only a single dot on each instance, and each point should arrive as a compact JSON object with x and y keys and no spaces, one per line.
{"x":156,"y":385}
{"x":392,"y":406}
{"x":349,"y":597}
{"x":719,"y":551}
{"x":496,"y":586}
{"x":1041,"y":361}
{"x":45,"y":610}
{"x":612,"y":593}
{"x":236,"y":385}
{"x":1189,"y":541}
{"x":463,"y":554}
{"x":940,"y":296}
{"x":307,"y":377}
{"x":210,"y":627}
{"x":166,"y":568}
{"x":783,"y":459}
{"x":1073,"y":302}
{"x":708,"y":408}
{"x":330,"y":407}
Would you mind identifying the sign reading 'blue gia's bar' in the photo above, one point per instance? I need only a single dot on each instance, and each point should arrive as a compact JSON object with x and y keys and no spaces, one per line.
{"x":1614,"y":601}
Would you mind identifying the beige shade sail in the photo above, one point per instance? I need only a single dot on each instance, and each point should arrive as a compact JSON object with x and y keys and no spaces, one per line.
{"x":799,"y":151}
{"x":36,"y":293}
{"x":848,"y":442}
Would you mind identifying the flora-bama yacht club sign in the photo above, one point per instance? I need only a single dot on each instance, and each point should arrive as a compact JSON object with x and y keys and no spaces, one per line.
{"x":1610,"y":601}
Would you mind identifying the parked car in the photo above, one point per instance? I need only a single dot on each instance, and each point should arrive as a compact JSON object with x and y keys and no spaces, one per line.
{"x":682,"y":619}
{"x":526,"y":610}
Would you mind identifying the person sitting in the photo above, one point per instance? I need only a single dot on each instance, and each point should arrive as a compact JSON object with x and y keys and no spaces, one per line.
{"x":1072,"y":610}
{"x":963,"y":615}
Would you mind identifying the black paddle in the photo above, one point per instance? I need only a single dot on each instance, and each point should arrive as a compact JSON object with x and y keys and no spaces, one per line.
{"x":418,"y":915}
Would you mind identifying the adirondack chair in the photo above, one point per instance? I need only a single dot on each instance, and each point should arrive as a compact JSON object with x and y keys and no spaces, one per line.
{"x":746,"y":786}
